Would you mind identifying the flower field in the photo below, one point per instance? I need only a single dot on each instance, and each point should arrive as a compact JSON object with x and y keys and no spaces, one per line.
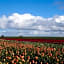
{"x":25,"y":52}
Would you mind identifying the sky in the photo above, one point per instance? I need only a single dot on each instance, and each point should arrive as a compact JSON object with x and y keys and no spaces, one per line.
{"x":32,"y":18}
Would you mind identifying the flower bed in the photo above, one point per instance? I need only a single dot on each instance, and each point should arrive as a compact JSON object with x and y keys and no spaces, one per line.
{"x":18,"y":52}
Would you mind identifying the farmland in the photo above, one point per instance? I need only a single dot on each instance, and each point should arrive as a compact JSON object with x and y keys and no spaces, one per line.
{"x":14,"y":51}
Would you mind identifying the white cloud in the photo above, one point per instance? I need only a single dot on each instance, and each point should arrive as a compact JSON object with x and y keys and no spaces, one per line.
{"x":60,"y":19}
{"x":33,"y":25}
{"x":3,"y":22}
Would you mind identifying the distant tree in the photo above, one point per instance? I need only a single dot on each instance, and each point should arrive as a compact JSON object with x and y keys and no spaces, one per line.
{"x":2,"y":36}
{"x":20,"y":36}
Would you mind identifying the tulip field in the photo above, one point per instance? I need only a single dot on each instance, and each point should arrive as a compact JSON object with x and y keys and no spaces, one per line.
{"x":26,"y":52}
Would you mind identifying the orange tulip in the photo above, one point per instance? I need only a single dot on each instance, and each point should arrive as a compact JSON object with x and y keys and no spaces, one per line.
{"x":36,"y":57}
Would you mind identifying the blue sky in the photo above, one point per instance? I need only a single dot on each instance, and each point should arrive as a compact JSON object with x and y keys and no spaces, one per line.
{"x":45,"y":8}
{"x":32,"y":17}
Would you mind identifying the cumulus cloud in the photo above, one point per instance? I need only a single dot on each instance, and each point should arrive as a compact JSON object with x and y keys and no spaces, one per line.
{"x":28,"y":24}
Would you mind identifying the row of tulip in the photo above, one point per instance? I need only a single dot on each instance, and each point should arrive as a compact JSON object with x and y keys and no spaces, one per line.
{"x":38,"y":40}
